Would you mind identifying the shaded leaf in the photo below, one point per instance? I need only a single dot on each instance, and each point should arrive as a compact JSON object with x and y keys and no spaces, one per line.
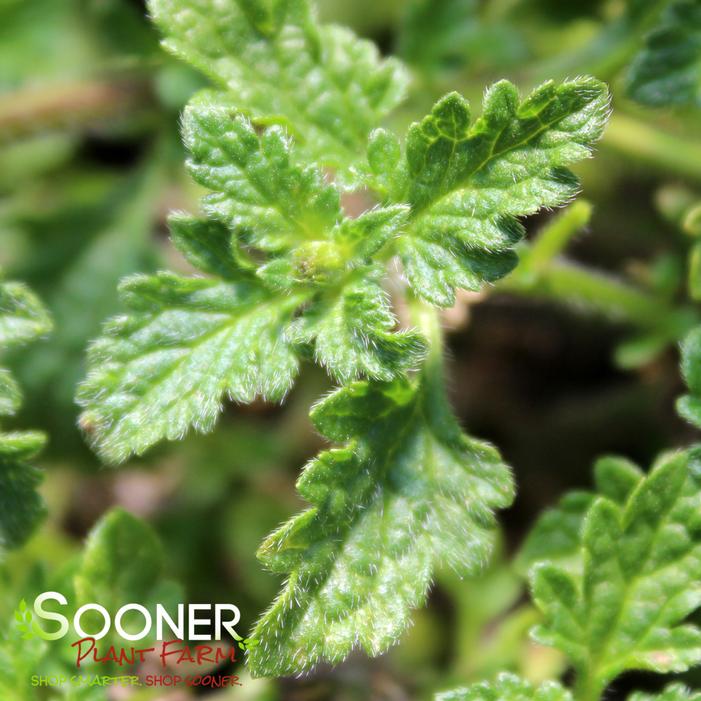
{"x":689,"y":406}
{"x":20,"y":504}
{"x":668,"y":69}
{"x":641,"y":562}
{"x":507,"y":687}
{"x":556,"y":536}
{"x":22,"y":316}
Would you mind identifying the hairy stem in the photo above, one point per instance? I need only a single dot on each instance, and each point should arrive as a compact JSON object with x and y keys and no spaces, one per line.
{"x":608,"y":52}
{"x":587,"y":687}
{"x":427,"y":320}
{"x":559,"y":231}
{"x":648,"y":144}
{"x":601,"y":294}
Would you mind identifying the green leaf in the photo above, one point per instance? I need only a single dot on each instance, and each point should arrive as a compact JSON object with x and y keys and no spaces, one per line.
{"x":184,"y":345}
{"x":123,"y":562}
{"x":672,"y":692}
{"x":556,"y":537}
{"x":206,"y":244}
{"x":10,"y":393}
{"x":289,"y":212}
{"x":259,"y":191}
{"x":277,"y":64}
{"x":641,"y":561}
{"x":668,"y":69}
{"x":20,"y":505}
{"x":689,"y":406}
{"x":407,"y":491}
{"x":508,"y":687}
{"x":362,"y":237}
{"x":22,"y":316}
{"x":468,"y":183}
{"x":352,"y":332}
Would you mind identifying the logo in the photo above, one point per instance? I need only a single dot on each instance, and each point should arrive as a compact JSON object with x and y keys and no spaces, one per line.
{"x":135,"y":636}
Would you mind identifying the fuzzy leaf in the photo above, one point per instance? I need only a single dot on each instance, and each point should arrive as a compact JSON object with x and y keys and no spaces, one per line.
{"x":278,"y":65}
{"x":689,"y":406}
{"x":507,"y":687}
{"x":258,"y":190}
{"x":668,"y":69}
{"x":206,"y":244}
{"x":360,"y":238}
{"x":408,"y":491}
{"x":184,"y":345}
{"x":20,"y":505}
{"x":22,"y":316}
{"x":352,"y":332}
{"x":10,"y":393}
{"x":672,"y":692}
{"x":641,"y":563}
{"x":468,"y":183}
{"x":556,"y":537}
{"x":295,"y":217}
{"x":122,"y":561}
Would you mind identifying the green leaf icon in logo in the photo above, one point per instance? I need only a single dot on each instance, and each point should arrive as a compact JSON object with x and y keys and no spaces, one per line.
{"x":245,"y":643}
{"x":23,"y":618}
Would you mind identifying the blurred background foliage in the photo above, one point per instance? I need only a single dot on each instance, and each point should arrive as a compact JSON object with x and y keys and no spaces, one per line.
{"x":90,"y":164}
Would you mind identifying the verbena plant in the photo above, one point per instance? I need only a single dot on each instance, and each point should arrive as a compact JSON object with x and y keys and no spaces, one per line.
{"x":293,"y":123}
{"x":288,"y":271}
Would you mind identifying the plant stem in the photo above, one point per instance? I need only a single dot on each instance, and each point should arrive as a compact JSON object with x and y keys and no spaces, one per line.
{"x":563,"y":281}
{"x":608,"y":52}
{"x":587,"y":687}
{"x":555,"y":236}
{"x":427,"y":319}
{"x":636,"y":139}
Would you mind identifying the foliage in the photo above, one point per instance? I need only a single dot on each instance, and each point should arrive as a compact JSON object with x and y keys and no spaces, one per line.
{"x":507,"y":687}
{"x":689,"y":406}
{"x":277,"y":64}
{"x":614,"y":574}
{"x":668,"y":70}
{"x":341,"y":216}
{"x":122,"y":562}
{"x":639,"y":544}
{"x":22,"y":319}
{"x":407,"y":492}
{"x":449,"y":200}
